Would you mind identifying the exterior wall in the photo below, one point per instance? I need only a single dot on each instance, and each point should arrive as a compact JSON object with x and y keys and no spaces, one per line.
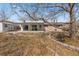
{"x":38,"y":26}
{"x":1,"y":27}
{"x":11,"y":26}
{"x":6,"y":28}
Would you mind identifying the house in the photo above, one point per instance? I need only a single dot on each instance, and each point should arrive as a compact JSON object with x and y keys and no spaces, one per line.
{"x":6,"y":26}
{"x":27,"y":26}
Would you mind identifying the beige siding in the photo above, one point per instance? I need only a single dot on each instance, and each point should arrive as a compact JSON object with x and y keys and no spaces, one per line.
{"x":11,"y":26}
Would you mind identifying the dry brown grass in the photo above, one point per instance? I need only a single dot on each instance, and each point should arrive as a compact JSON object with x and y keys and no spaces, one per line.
{"x":62,"y":50}
{"x":30,"y":44}
{"x":23,"y":44}
{"x":72,"y":42}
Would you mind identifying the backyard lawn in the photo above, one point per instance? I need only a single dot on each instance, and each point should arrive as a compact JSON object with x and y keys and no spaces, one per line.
{"x":23,"y":44}
{"x":36,"y":44}
{"x":72,"y":42}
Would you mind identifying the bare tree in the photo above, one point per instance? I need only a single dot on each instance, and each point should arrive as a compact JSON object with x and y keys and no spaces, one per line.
{"x":23,"y":9}
{"x":57,"y":9}
{"x":70,"y":9}
{"x":3,"y":15}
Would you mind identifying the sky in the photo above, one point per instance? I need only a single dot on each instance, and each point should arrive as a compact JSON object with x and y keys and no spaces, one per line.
{"x":7,"y":8}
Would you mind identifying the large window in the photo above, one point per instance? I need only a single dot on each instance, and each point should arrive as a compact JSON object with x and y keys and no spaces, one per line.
{"x":25,"y":27}
{"x":6,"y":25}
{"x":34,"y":27}
{"x":40,"y":27}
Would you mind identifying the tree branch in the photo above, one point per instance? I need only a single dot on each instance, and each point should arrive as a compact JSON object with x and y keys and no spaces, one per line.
{"x":56,"y":6}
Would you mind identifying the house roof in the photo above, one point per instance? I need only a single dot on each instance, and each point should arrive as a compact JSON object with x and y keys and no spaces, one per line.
{"x":5,"y":21}
{"x":34,"y":22}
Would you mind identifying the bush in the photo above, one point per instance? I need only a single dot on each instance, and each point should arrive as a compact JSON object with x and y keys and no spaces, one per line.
{"x":60,"y":36}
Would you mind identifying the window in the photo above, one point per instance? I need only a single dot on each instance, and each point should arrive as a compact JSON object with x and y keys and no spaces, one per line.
{"x":34,"y":27}
{"x":6,"y":25}
{"x":25,"y":27}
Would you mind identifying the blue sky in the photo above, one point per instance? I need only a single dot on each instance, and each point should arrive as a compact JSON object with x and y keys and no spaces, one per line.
{"x":7,"y":8}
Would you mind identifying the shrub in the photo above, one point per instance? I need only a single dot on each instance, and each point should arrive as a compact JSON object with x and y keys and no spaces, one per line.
{"x":60,"y":36}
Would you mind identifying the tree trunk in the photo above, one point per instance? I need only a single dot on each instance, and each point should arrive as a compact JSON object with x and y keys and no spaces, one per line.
{"x":72,"y":25}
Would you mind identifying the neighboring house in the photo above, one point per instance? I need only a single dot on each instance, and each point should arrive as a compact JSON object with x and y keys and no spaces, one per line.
{"x":27,"y":26}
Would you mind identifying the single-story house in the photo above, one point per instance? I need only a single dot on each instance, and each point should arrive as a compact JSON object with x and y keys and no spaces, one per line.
{"x":27,"y":26}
